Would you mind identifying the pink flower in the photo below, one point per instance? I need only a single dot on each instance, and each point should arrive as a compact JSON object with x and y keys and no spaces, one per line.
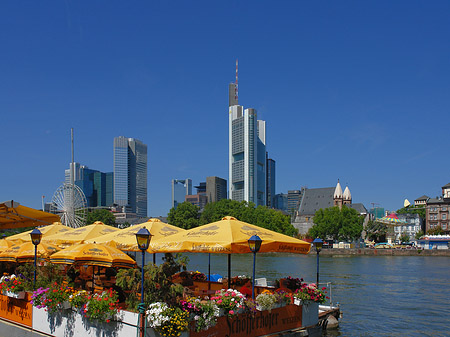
{"x":231,"y":312}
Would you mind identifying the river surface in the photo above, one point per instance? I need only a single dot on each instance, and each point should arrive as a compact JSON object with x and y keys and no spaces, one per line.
{"x":378,"y":295}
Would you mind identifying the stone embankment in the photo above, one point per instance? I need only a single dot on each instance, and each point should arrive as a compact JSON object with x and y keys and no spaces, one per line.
{"x":383,"y":252}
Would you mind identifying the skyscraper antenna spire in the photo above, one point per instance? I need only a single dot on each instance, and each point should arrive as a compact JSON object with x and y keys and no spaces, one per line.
{"x":236,"y":88}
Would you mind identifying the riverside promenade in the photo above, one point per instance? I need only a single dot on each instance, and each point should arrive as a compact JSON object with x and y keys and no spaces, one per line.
{"x":382,"y":252}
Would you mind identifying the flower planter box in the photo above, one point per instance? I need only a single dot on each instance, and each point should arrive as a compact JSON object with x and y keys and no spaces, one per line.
{"x":20,"y":295}
{"x":265,"y":322}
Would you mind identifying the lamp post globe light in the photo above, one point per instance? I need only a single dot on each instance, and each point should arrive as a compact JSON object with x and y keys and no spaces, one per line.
{"x":318,"y":243}
{"x":36,"y":237}
{"x":143,"y":238}
{"x":255,"y":244}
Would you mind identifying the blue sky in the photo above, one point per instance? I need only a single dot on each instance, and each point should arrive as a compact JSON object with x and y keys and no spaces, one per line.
{"x":350,"y":90}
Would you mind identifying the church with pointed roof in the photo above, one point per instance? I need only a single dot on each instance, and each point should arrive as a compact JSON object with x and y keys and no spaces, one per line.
{"x":313,"y":199}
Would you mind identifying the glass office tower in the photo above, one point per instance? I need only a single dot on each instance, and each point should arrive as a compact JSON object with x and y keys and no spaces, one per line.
{"x":130,"y":175}
{"x":247,"y":156}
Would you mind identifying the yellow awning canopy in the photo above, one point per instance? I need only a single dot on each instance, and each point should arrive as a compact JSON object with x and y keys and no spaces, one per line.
{"x":56,"y":228}
{"x":25,"y":252}
{"x":126,"y":238}
{"x":80,"y":235}
{"x":229,"y":236}
{"x":14,"y":215}
{"x":93,"y":254}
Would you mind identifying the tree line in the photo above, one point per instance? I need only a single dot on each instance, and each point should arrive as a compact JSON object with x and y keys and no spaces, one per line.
{"x":188,"y":216}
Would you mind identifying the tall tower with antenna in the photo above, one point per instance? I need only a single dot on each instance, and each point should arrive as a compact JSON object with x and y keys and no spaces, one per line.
{"x":233,"y":90}
{"x":247,"y":151}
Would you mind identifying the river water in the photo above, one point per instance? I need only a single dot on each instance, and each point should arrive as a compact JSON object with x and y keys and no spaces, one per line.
{"x":378,"y":295}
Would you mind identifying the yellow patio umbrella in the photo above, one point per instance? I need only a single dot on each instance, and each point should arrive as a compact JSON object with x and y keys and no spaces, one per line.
{"x":80,"y":235}
{"x":5,"y":244}
{"x":25,"y":252}
{"x":55,"y":228}
{"x":126,"y":238}
{"x":228,"y":236}
{"x":93,"y":254}
{"x":14,"y":215}
{"x":9,"y":254}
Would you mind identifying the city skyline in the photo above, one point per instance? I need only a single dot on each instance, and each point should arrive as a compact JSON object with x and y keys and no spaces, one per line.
{"x":349,"y":91}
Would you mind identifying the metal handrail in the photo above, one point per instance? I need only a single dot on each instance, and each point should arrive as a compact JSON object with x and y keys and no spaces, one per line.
{"x":328,"y":285}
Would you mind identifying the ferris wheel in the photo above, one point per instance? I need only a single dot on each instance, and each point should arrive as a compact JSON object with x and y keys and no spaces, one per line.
{"x":69,"y":202}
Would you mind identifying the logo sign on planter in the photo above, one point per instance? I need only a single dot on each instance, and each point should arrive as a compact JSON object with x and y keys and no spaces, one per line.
{"x":259,"y":324}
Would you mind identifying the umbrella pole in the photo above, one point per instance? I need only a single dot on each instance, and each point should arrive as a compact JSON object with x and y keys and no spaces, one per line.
{"x":154,"y":258}
{"x":229,"y":271}
{"x":209,"y":271}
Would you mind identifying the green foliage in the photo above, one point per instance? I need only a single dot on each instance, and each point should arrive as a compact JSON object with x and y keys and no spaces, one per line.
{"x":343,"y":224}
{"x":184,"y":216}
{"x":404,"y":237}
{"x":246,"y":211}
{"x":102,"y":215}
{"x":413,"y":210}
{"x":419,"y":234}
{"x":376,"y":231}
{"x":102,"y":306}
{"x":48,"y":274}
{"x":436,"y":231}
{"x":158,"y":286}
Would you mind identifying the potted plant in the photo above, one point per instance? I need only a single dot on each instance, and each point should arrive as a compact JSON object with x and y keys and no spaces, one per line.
{"x":54,"y":298}
{"x":168,"y":321}
{"x":230,"y":301}
{"x":266,"y":301}
{"x":78,"y":299}
{"x":101,"y":307}
{"x":13,"y":286}
{"x":309,"y":293}
{"x":38,"y":297}
{"x":203,"y":313}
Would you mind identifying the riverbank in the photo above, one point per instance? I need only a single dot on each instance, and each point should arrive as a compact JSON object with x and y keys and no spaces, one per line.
{"x":383,"y":252}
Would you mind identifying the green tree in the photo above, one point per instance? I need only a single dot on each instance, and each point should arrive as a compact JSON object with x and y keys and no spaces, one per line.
{"x":404,"y":237}
{"x":246,"y":211}
{"x":413,"y":210}
{"x":184,"y":216}
{"x":436,"y":231}
{"x":419,"y":234}
{"x":215,"y":211}
{"x":343,"y":224}
{"x":102,"y":215}
{"x":376,"y":231}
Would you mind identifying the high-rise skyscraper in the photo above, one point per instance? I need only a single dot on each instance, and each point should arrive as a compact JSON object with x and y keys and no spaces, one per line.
{"x":180,"y":189}
{"x":216,"y":189}
{"x":270,"y":182}
{"x":293,"y":200}
{"x":96,"y":186}
{"x":130,"y":175}
{"x":247,"y":155}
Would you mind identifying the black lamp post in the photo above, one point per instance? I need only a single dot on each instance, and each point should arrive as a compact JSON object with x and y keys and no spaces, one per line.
{"x":255,"y":244}
{"x":36,"y":236}
{"x":318,"y":245}
{"x":143,"y":238}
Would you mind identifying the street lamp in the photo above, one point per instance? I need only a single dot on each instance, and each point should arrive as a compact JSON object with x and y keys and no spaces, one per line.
{"x":36,"y":236}
{"x":255,"y":244}
{"x":143,"y":238}
{"x":318,"y":245}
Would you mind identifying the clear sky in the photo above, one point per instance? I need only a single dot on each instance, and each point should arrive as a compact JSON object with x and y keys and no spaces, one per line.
{"x":351,"y":90}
